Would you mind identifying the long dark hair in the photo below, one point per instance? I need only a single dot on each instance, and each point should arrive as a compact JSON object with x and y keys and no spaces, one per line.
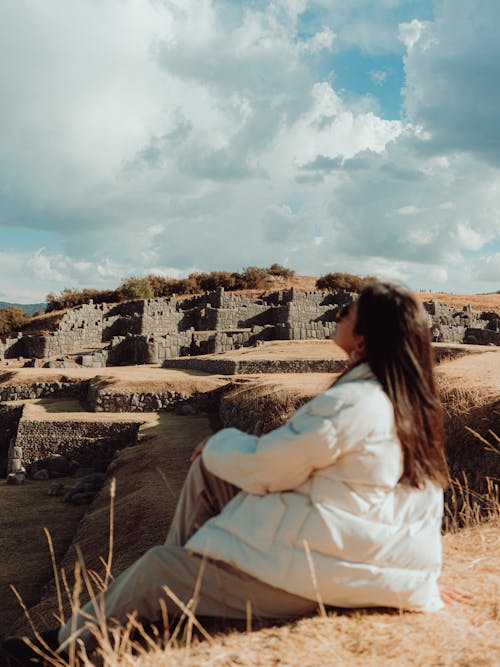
{"x":398,"y":350}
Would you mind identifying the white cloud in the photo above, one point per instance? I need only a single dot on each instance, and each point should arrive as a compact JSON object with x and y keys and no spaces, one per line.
{"x":43,"y":267}
{"x":410,"y":33}
{"x":194,"y":134}
{"x":378,"y":76}
{"x":322,"y":40}
{"x":407,"y":210}
{"x":452,"y":77}
{"x":488,"y":270}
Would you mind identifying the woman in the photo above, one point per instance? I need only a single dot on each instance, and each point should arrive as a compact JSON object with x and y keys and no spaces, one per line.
{"x":342,"y":504}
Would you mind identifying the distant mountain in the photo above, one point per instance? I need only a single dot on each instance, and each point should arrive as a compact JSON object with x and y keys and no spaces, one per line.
{"x":29,"y":308}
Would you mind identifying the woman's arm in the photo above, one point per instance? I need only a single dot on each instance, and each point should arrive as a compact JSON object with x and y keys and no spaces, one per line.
{"x":284,"y":458}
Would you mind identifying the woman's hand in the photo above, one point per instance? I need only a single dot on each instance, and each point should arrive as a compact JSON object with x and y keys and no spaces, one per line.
{"x":452,"y":595}
{"x":199,"y":448}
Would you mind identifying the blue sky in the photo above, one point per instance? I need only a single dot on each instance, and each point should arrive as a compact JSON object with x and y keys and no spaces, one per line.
{"x":147,"y":136}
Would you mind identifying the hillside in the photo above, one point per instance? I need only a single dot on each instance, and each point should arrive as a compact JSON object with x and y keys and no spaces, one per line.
{"x":148,"y":478}
{"x":28,"y":308}
{"x":481,"y":302}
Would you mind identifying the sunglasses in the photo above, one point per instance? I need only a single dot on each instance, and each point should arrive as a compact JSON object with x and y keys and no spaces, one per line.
{"x":343,"y":312}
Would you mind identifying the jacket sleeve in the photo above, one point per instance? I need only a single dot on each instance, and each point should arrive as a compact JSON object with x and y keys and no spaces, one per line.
{"x":284,"y":458}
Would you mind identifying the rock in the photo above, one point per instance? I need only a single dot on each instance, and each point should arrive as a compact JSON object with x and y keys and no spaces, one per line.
{"x":53,"y":474}
{"x":55,"y":488}
{"x":16,"y":478}
{"x":59,"y":464}
{"x":84,"y":472}
{"x":95,"y":480}
{"x":89,"y":483}
{"x":187,"y":409}
{"x":84,"y":498}
{"x":41,"y":475}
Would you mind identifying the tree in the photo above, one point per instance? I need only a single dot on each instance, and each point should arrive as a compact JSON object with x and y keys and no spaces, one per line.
{"x":281,"y":271}
{"x":253,"y":277}
{"x":12,"y":319}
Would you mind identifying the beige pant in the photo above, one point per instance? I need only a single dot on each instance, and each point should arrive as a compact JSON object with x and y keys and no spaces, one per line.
{"x":224,"y":589}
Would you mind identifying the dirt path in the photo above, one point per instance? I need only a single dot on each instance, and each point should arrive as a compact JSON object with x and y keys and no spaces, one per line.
{"x":481,"y":371}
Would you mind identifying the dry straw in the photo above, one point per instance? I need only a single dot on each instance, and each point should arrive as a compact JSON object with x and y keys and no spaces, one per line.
{"x":129,"y":644}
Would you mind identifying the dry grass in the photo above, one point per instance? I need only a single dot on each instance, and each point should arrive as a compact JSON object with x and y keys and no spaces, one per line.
{"x":287,"y":350}
{"x":144,"y":503}
{"x":54,"y":410}
{"x":458,"y":636}
{"x":44,"y":323}
{"x":488,"y":302}
{"x":25,"y":511}
{"x":258,"y":404}
{"x":150,"y":377}
{"x":474,"y":372}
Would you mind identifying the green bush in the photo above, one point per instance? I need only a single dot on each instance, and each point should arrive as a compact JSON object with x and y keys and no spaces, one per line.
{"x":135,"y":288}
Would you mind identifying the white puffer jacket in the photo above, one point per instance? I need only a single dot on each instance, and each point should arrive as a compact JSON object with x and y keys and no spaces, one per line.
{"x":328,"y":479}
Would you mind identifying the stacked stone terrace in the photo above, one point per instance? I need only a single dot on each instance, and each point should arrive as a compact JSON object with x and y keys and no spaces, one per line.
{"x":153,"y":330}
{"x":464,"y":326}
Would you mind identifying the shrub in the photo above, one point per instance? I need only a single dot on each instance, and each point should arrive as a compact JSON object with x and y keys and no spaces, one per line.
{"x":69,"y":298}
{"x":341,"y":281}
{"x":135,"y":288}
{"x":163,"y":287}
{"x":215,"y":279}
{"x":253,"y":277}
{"x":12,"y":319}
{"x":280,"y":271}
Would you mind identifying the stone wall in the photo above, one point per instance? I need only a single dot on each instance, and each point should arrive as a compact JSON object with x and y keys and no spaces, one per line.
{"x":151,"y":330}
{"x":454,"y":324}
{"x":80,"y":441}
{"x":248,"y":366}
{"x":60,"y":389}
{"x":214,"y":366}
{"x":482,"y":337}
{"x":107,"y":400}
{"x":305,"y":330}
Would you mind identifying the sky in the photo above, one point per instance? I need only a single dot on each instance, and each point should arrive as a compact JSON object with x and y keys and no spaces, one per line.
{"x":172,"y":136}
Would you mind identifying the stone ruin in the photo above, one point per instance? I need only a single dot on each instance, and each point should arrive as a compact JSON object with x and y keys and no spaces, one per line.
{"x":50,"y":449}
{"x":464,"y":326}
{"x":154,"y":330}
